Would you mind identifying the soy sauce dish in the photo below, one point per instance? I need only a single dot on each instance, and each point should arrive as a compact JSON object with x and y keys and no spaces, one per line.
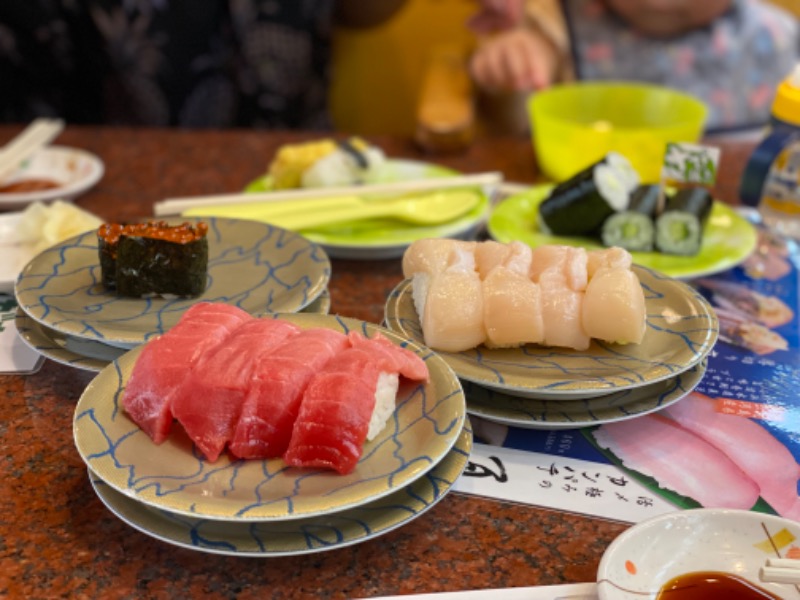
{"x":698,"y":554}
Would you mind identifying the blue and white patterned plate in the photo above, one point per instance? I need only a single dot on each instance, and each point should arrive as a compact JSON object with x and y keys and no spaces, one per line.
{"x":682,"y":328}
{"x":426,"y":423}
{"x":300,"y":536}
{"x":530,"y":413}
{"x":255,"y":266}
{"x":91,"y":355}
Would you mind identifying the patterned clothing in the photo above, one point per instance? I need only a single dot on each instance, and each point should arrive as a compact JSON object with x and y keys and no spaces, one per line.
{"x":190,"y":63}
{"x":734,"y":64}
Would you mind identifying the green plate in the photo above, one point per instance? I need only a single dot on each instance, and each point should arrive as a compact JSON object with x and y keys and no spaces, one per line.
{"x":727,"y":241}
{"x":378,"y":239}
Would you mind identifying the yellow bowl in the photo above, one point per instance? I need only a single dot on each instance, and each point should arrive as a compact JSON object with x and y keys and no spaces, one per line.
{"x":576,"y":124}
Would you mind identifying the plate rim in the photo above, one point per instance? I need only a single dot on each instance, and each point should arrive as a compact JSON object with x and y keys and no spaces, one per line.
{"x":539,"y":393}
{"x":553,"y":425}
{"x":69,"y":191}
{"x":455,"y":462}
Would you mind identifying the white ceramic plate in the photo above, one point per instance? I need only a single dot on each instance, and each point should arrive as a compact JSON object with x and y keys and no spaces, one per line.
{"x":529,"y":413}
{"x":301,"y":536}
{"x":76,"y":170}
{"x":254,"y":266}
{"x":648,"y":555}
{"x":13,"y":256}
{"x":380,"y":239}
{"x":682,"y":328}
{"x":91,"y":355}
{"x":426,"y":423}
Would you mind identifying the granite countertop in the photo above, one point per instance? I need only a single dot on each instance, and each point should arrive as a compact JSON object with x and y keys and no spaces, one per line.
{"x":58,"y":540}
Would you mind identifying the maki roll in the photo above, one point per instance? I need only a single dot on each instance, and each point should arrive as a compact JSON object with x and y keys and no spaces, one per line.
{"x":154,"y":258}
{"x":580,"y":205}
{"x":634,"y":228}
{"x":679,"y":229}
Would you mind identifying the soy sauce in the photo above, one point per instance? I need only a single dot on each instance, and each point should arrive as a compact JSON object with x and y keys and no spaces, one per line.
{"x":29,"y":185}
{"x":711,"y":585}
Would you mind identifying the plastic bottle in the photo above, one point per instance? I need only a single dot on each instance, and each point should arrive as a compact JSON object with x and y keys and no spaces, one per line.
{"x":771,"y":180}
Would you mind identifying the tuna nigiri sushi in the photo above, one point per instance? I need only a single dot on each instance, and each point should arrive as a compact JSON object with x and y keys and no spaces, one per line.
{"x":348,"y":402}
{"x":210,"y":401}
{"x":273,"y":401}
{"x":164,"y":362}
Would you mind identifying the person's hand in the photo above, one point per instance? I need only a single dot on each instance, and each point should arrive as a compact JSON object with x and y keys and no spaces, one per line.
{"x":497,"y":15}
{"x":666,"y":18}
{"x":515,"y":60}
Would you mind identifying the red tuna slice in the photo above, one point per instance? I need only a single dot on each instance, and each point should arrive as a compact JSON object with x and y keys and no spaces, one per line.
{"x":165,"y":361}
{"x":279,"y":380}
{"x":335,"y":412}
{"x":210,"y":401}
{"x":393,"y":358}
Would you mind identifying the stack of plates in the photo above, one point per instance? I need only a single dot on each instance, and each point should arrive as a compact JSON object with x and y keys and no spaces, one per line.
{"x":553,"y":388}
{"x":263,"y":507}
{"x":68,"y":316}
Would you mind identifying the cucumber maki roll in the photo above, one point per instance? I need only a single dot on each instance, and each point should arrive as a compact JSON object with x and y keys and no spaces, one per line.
{"x":154,"y":258}
{"x":580,"y":205}
{"x":634,"y":228}
{"x":679,"y":229}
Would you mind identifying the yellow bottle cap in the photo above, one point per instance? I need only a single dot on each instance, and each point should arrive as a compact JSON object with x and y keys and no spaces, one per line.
{"x":786,"y":106}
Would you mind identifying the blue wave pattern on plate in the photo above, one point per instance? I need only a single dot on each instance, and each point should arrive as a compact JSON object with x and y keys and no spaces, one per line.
{"x":173,"y":476}
{"x":92,"y":355}
{"x":681,"y":330}
{"x":300,"y":536}
{"x":530,"y":413}
{"x":255,"y":266}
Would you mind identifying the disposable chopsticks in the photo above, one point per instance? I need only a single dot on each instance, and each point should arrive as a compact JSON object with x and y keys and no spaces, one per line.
{"x":174,"y":206}
{"x":35,"y":136}
{"x":780,"y":570}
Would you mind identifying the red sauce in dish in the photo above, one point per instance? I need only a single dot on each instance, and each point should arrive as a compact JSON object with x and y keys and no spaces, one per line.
{"x":160,"y":230}
{"x":29,"y":185}
{"x":710,"y":585}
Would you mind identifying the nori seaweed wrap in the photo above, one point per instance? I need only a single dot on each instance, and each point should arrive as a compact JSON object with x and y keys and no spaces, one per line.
{"x":679,"y":229}
{"x":580,"y":205}
{"x":634,"y":228}
{"x":154,"y":258}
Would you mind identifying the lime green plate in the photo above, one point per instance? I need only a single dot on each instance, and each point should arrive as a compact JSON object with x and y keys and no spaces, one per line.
{"x":727,"y":241}
{"x":378,"y":239}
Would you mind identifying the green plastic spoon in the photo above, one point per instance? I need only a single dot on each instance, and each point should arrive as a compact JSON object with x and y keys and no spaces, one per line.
{"x":422,"y":209}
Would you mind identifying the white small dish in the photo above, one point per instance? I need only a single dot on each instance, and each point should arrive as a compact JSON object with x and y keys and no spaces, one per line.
{"x":75,"y":170}
{"x":647,"y":556}
{"x":13,"y":256}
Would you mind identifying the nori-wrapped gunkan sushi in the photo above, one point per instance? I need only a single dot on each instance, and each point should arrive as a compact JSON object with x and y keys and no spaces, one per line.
{"x":634,"y":228}
{"x":154,"y":258}
{"x":580,"y":205}
{"x":679,"y":228}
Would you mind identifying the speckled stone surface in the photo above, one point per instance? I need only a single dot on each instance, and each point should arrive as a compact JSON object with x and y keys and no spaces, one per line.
{"x":58,"y":541}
